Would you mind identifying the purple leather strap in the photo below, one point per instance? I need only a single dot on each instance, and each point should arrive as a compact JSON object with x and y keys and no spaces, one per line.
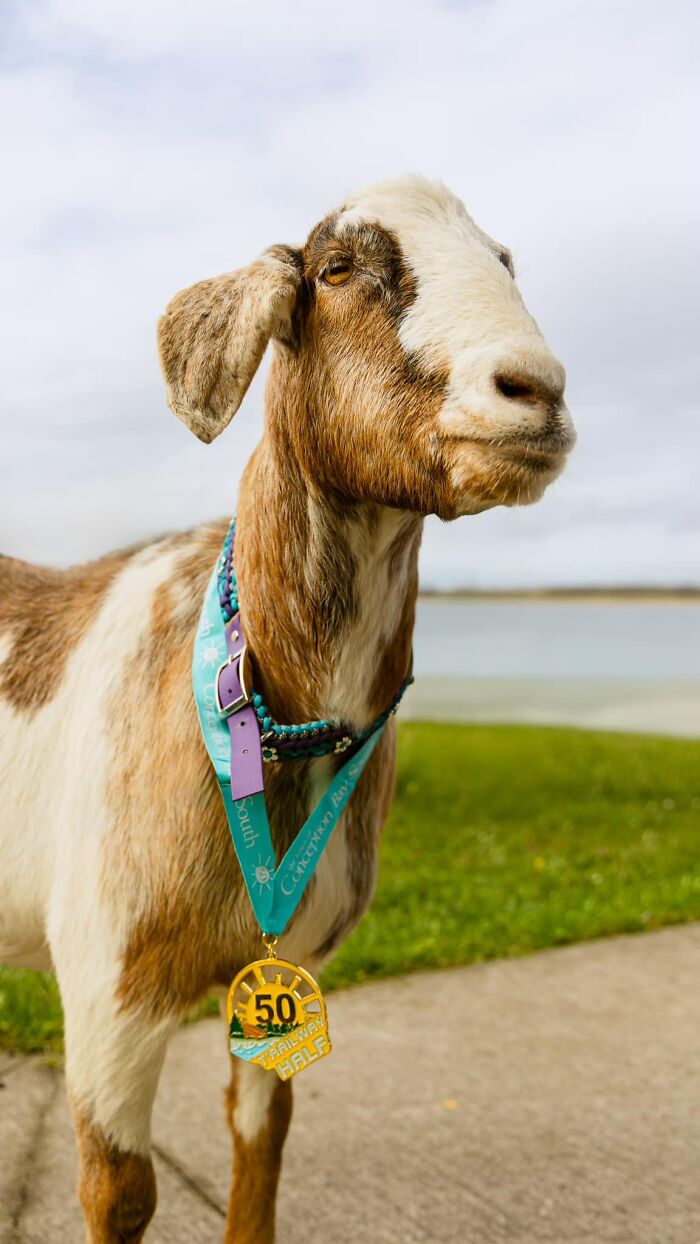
{"x":244,"y":728}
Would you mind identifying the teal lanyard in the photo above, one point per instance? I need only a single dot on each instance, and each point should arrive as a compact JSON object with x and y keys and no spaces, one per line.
{"x":275,"y":892}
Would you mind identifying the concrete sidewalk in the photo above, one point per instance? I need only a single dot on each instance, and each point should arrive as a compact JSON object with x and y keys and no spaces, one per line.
{"x":559,"y":1104}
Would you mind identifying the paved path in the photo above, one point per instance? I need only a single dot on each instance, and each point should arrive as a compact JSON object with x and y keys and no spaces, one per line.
{"x":560,"y":1105}
{"x":647,"y":706}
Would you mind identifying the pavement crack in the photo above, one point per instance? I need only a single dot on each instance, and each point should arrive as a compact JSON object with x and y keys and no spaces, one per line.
{"x":190,"y":1181}
{"x":24,"y":1190}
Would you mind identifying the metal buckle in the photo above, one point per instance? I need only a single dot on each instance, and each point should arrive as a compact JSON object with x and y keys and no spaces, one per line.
{"x":244,"y":697}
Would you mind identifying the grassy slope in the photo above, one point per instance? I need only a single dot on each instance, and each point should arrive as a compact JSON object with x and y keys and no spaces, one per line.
{"x":502,"y":840}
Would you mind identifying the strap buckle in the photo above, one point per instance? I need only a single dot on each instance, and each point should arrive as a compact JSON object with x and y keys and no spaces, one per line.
{"x":226,"y":705}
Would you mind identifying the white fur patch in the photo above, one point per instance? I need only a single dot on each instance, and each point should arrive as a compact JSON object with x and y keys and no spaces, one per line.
{"x":254,"y":1089}
{"x":114,"y":1060}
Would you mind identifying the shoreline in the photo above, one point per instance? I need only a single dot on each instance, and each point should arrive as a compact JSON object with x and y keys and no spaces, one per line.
{"x":563,"y":596}
{"x":669,"y":706}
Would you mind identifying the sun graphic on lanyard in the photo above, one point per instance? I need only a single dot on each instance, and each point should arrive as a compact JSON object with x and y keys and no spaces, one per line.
{"x":262,"y":875}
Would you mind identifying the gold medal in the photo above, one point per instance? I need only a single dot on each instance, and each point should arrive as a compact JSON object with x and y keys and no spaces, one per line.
{"x":277,"y":1016}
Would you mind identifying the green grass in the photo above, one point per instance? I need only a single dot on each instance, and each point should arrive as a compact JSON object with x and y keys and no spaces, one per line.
{"x":502,"y":840}
{"x":31,"y":1019}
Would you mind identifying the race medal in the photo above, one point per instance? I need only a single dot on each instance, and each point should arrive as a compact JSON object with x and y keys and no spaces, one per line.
{"x":277,"y":1017}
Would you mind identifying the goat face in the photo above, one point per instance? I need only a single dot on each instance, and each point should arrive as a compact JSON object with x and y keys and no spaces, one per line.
{"x":408,"y":371}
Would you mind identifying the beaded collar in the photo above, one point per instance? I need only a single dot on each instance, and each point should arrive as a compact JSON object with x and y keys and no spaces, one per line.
{"x":311,"y":738}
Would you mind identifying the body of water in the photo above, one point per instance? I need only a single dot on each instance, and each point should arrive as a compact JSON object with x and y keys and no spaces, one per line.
{"x":539,"y":639}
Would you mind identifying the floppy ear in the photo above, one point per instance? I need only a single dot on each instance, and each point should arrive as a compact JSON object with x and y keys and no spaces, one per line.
{"x":212,"y":337}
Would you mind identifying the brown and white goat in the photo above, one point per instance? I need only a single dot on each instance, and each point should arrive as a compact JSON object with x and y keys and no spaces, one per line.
{"x":407,"y":379}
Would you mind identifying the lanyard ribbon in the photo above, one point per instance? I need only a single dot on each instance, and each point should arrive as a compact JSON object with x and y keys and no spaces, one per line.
{"x":231,"y":734}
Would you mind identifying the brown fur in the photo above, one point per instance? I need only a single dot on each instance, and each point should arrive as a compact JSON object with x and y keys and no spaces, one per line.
{"x":256,"y":1168}
{"x":47,"y":613}
{"x":117,"y":1190}
{"x":350,"y":372}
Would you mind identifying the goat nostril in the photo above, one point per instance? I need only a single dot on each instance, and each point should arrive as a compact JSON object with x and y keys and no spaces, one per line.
{"x":527,"y":389}
{"x":515,"y":387}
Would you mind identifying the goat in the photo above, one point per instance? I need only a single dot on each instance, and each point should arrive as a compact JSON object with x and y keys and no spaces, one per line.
{"x":407,"y":379}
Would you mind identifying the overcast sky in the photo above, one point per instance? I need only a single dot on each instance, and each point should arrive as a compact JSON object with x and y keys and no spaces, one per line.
{"x":149,"y":144}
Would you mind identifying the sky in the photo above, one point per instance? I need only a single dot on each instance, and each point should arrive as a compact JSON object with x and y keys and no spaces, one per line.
{"x":146,"y":146}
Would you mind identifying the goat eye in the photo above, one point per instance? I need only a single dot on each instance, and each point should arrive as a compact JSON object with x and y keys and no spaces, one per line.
{"x":338,"y":271}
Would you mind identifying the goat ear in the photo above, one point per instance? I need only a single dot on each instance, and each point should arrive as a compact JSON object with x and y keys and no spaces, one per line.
{"x":212,"y":337}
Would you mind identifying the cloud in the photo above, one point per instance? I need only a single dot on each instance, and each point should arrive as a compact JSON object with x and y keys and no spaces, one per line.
{"x":148,"y":146}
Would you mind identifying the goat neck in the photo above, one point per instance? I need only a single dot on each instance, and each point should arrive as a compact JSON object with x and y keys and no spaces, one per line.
{"x":327,"y":590}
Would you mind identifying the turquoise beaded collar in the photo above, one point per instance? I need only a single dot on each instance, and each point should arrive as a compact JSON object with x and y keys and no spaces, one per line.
{"x":311,"y":738}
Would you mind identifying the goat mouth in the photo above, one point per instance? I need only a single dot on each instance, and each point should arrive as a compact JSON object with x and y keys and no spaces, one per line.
{"x":540,"y":453}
